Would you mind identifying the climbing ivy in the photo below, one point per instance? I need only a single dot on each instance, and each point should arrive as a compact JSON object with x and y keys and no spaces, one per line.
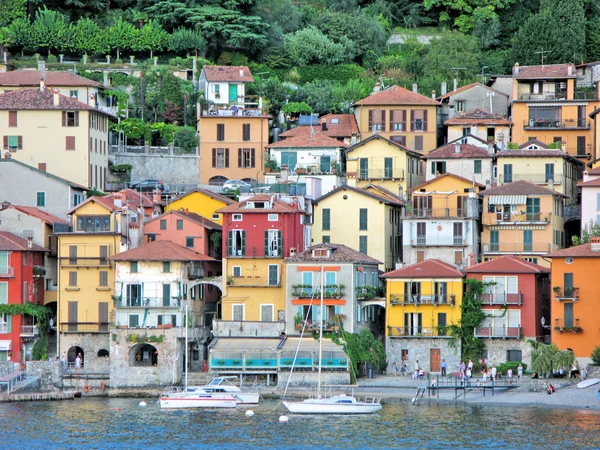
{"x":42,"y":317}
{"x":136,"y":339}
{"x":361,"y":348}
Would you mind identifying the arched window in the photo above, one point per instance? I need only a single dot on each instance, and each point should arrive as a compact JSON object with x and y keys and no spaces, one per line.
{"x":217,"y":180}
{"x":102,"y":353}
{"x":143,"y":355}
{"x":72,"y":355}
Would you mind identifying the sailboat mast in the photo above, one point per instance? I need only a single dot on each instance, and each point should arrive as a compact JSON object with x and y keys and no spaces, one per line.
{"x":320,"y":334}
{"x":186,"y":347}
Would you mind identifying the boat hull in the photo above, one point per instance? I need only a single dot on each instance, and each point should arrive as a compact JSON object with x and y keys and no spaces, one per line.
{"x":315,"y":407}
{"x":194,"y":401}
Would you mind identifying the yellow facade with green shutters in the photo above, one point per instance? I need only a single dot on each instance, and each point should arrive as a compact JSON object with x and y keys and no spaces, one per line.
{"x":202,"y":203}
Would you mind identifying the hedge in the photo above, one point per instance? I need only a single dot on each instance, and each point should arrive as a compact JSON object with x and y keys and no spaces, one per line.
{"x":503,"y":368}
{"x":340,"y":73}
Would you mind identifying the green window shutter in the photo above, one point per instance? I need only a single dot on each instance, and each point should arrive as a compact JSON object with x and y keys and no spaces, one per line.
{"x":362,"y":240}
{"x":4,"y":293}
{"x":243,"y":243}
{"x":273,"y":272}
{"x":326,"y":219}
{"x":279,"y":243}
{"x":229,"y":242}
{"x":363,"y":219}
{"x":266,"y":243}
{"x":3,"y":266}
{"x":477,"y":166}
{"x":432,"y":168}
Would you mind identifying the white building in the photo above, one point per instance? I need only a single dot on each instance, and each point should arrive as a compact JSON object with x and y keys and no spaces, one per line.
{"x":224,"y":85}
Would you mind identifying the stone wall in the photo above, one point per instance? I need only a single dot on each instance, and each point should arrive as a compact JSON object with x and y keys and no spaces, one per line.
{"x":91,"y":344}
{"x":236,"y":328}
{"x":45,"y":372}
{"x":541,"y":384}
{"x":311,"y":379}
{"x":419,"y":348}
{"x":497,"y":348}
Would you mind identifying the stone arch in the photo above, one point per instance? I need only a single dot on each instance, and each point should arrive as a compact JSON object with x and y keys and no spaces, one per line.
{"x":72,"y":354}
{"x":211,"y":307}
{"x":143,"y":355}
{"x":103,"y":353}
{"x":217,"y":180}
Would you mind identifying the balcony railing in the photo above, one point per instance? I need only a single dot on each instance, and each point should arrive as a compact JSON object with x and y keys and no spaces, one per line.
{"x":195,"y":272}
{"x":533,"y":124}
{"x":498,"y":332}
{"x":568,"y":293}
{"x":516,"y":218}
{"x":555,"y":95}
{"x":418,"y":332}
{"x":518,"y":247}
{"x":538,"y":178}
{"x":410,"y":299}
{"x":318,"y":169}
{"x":84,"y":327}
{"x":29,"y":331}
{"x":85,"y":262}
{"x":440,"y":241}
{"x":367,"y":292}
{"x":381,"y":174}
{"x":308,"y":291}
{"x":561,"y":325}
{"x":147,"y":302}
{"x":436,"y":213}
{"x":7,"y":272}
{"x":502,"y":298}
{"x":3,"y":328}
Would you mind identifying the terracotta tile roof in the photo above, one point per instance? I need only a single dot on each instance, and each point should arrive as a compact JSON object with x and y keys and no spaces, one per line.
{"x":545,"y":153}
{"x":468,"y":137}
{"x":36,"y":212}
{"x":396,"y":95}
{"x":445,"y":175}
{"x":106,"y":202}
{"x":467,"y":87}
{"x":196,"y":218}
{"x":34,"y":99}
{"x":339,"y":253}
{"x":48,"y":174}
{"x":477,"y":117}
{"x":279,"y":206}
{"x":161,"y":251}
{"x":533,"y":142}
{"x":345,"y":127}
{"x":594,"y":171}
{"x":430,"y":268}
{"x":53,"y":79}
{"x":448,"y":151}
{"x":132,"y":198}
{"x":507,"y":264}
{"x":520,"y":187}
{"x":396,"y":201}
{"x":581,"y":251}
{"x":307,"y":139}
{"x":590,"y":183}
{"x":208,"y":193}
{"x":545,"y":71}
{"x":383,"y":192}
{"x":13,"y":243}
{"x":380,"y":137}
{"x":228,"y":73}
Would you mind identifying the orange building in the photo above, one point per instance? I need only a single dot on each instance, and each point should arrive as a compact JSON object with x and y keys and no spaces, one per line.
{"x":575,"y":322}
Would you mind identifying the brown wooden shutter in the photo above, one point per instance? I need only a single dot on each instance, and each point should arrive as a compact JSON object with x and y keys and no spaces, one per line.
{"x":64,"y":118}
{"x":5,"y":139}
{"x":382,"y":120}
{"x":76,"y":118}
{"x":392,"y":119}
{"x":404,"y":120}
{"x":70,"y":142}
{"x":42,"y":167}
{"x":239,"y":157}
{"x":12,"y":118}
{"x":424,"y":120}
{"x":253,"y":161}
{"x":370,"y":120}
{"x":412,"y":120}
{"x":226,"y":157}
{"x":20,"y":142}
{"x":214,"y":157}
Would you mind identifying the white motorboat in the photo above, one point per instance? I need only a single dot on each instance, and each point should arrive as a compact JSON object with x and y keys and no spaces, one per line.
{"x":338,"y":404}
{"x":222,"y":385}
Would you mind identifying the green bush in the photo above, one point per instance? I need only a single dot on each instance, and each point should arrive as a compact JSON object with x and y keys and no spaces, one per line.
{"x":596,"y":356}
{"x":51,"y":59}
{"x":503,"y":368}
{"x":119,"y":168}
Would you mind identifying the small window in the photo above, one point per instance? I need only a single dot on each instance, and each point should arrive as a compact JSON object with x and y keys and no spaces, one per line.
{"x":477,"y":166}
{"x":73,"y":279}
{"x":103,"y":282}
{"x":41,"y":199}
{"x":12,"y":118}
{"x":569,"y":260}
{"x":151,"y":237}
{"x":237,"y":217}
{"x":334,"y":121}
{"x":166,"y":266}
{"x":236,"y":271}
{"x":215,"y":217}
{"x":189,"y":242}
{"x":273,"y":217}
{"x":163,"y":224}
{"x":514,"y":356}
{"x":180,"y":224}
{"x":326,"y":239}
{"x":460,"y":106}
{"x":133,"y":267}
{"x":220,"y":132}
{"x":73,"y":93}
{"x":321,"y":252}
{"x":70,"y":118}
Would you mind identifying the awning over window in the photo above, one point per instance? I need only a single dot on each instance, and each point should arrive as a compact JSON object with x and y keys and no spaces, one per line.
{"x":5,"y":346}
{"x":310,"y":344}
{"x":245,"y":344}
{"x":507,"y":199}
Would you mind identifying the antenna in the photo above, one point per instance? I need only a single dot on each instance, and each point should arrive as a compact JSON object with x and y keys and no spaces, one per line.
{"x":541,"y":52}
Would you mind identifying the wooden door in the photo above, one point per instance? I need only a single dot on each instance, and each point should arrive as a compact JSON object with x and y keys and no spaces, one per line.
{"x":434,"y":360}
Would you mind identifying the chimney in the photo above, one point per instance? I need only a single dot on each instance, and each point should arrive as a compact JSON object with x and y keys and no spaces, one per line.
{"x":41,"y":65}
{"x":56,"y":97}
{"x":29,"y":242}
{"x":569,"y":70}
{"x":414,"y":89}
{"x":586,"y":176}
{"x":118,"y":200}
{"x":324,"y":125}
{"x":156,"y":196}
{"x":490,"y":148}
{"x":595,"y":243}
{"x":42,"y":85}
{"x":444,"y":88}
{"x":398,"y":265}
{"x":457,"y":147}
{"x":551,"y":184}
{"x":377,"y":87}
{"x":433,"y":94}
{"x":241,"y":73}
{"x":455,"y":84}
{"x":516,"y":69}
{"x":105,"y":82}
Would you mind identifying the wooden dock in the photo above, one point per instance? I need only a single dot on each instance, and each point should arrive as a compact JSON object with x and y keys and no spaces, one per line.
{"x":435,"y":385}
{"x":39,"y":397}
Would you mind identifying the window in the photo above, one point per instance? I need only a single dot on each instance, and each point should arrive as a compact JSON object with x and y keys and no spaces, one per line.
{"x":103,"y":282}
{"x":527,"y":240}
{"x":273,"y":275}
{"x":12,"y":118}
{"x":494,"y":240}
{"x":399,"y":140}
{"x":508,"y":173}
{"x":477,"y":166}
{"x":398,"y":120}
{"x":236,"y":271}
{"x":273,"y":243}
{"x":236,"y":244}
{"x":581,"y":145}
{"x":549,"y":172}
{"x":103,"y":254}
{"x":419,"y":143}
{"x":189,"y":242}
{"x":421,"y":233}
{"x":237,"y":312}
{"x":533,"y":209}
{"x":376,"y":120}
{"x":326,"y":239}
{"x":72,"y":278}
{"x":514,"y":356}
{"x":418,"y":120}
{"x":163,"y":224}
{"x":266,"y":313}
{"x":166,"y":266}
{"x":134,"y":320}
{"x":363,"y":216}
{"x":362,"y":244}
{"x":246,"y":132}
{"x":326,"y":224}
{"x":220,"y":132}
{"x":544,"y":116}
{"x":72,"y":255}
{"x":458,"y":233}
{"x":3,"y":263}
{"x":180,"y":224}
{"x":459,"y":106}
{"x":273,"y":217}
{"x":133,"y":267}
{"x":216,"y":217}
{"x":13,"y":143}
{"x":465,"y":132}
{"x":237,"y":217}
{"x":220,"y":158}
{"x":388,"y":164}
{"x":151,"y":237}
{"x":93,"y":223}
{"x":70,"y":143}
{"x":41,"y":199}
{"x":246,"y":158}
{"x":438,"y":167}
{"x":74,"y":94}
{"x":70,"y":118}
{"x":216,"y":88}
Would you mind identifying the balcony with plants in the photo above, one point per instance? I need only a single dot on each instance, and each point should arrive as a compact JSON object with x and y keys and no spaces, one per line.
{"x":562,"y":325}
{"x":503,"y":332}
{"x":368,"y":292}
{"x":419,"y":332}
{"x":566,"y":293}
{"x":516,"y":218}
{"x":310,"y":291}
{"x":418,"y":299}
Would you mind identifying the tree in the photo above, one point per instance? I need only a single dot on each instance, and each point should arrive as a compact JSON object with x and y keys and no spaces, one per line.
{"x":318,"y":95}
{"x":593,"y":40}
{"x":87,"y":37}
{"x":50,"y":30}
{"x":547,"y":357}
{"x":19,"y":34}
{"x":311,"y":46}
{"x":453,"y":49}
{"x":187,"y":138}
{"x":569,"y":16}
{"x":591,"y":229}
{"x":185,"y":41}
{"x":11,"y":11}
{"x":467,"y":12}
{"x":150,"y":37}
{"x":120,"y":36}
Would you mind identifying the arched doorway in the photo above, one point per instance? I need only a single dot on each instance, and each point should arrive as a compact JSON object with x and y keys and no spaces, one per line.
{"x":72,"y":354}
{"x":143,"y":355}
{"x":217,"y":180}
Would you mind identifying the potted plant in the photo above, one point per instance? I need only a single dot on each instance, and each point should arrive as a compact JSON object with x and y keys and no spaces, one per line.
{"x":298,"y":321}
{"x":300,"y":170}
{"x":557,"y":290}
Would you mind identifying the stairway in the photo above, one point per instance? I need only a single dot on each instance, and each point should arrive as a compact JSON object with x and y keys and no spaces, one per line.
{"x":51,"y":345}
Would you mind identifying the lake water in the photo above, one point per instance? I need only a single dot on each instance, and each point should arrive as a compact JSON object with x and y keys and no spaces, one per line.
{"x":96,"y":423}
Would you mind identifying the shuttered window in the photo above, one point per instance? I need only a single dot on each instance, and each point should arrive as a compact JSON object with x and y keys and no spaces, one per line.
{"x":73,"y":278}
{"x":220,"y":132}
{"x":363,"y":216}
{"x":246,"y":132}
{"x":326,"y":223}
{"x":12,"y":118}
{"x":70,"y":143}
{"x":103,"y":282}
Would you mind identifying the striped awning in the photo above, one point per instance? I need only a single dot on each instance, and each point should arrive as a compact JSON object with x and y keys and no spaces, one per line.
{"x":546,"y":104}
{"x":507,"y":199}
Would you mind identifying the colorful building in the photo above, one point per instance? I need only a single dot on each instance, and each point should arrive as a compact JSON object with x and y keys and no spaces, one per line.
{"x":21,"y":281}
{"x":400,"y":115}
{"x":575,"y":322}
{"x":225,"y":85}
{"x":480,"y":123}
{"x":342,"y":127}
{"x":517,"y":296}
{"x":423,"y":299}
{"x":590,"y":198}
{"x":202,"y":202}
{"x":442,"y":222}
{"x":383,"y":162}
{"x":547,"y":106}
{"x":367,"y":220}
{"x":522,"y":219}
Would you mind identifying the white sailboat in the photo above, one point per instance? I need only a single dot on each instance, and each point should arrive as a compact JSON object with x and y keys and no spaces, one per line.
{"x":197,"y":398}
{"x":337,"y":404}
{"x":223,"y":385}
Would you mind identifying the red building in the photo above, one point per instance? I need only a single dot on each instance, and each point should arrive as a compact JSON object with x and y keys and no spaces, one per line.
{"x":516,"y":298}
{"x":21,"y":281}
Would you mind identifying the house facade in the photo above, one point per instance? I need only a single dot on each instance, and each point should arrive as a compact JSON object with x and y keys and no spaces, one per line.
{"x":522,"y":219}
{"x":422,"y":300}
{"x":342,"y":127}
{"x":385,"y":163}
{"x":225,"y":85}
{"x":21,"y":281}
{"x":492,"y":128}
{"x":202,"y":202}
{"x":442,"y":222}
{"x":590,"y":198}
{"x":473,"y":96}
{"x":56,"y":133}
{"x":516,"y":297}
{"x":400,"y":115}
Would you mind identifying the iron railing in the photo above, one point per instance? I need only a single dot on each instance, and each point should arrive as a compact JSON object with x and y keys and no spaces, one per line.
{"x":418,"y":332}
{"x":498,"y":332}
{"x":502,"y":298}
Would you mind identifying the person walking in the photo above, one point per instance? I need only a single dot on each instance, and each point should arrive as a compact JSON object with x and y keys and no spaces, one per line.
{"x":493,"y":373}
{"x":394,"y":369}
{"x":509,"y":375}
{"x":417,"y":367}
{"x":444,"y":366}
{"x":403,"y":367}
{"x":519,"y":372}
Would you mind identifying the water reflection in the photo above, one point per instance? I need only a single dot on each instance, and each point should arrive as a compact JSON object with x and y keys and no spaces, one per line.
{"x":111,"y":423}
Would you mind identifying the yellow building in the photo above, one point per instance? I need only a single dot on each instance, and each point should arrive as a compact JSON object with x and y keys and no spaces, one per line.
{"x":86,"y":278}
{"x":489,"y":127}
{"x":383,"y":162}
{"x":400,"y":115}
{"x":423,"y":299}
{"x":547,"y":106}
{"x":203,"y":202}
{"x":367,"y":220}
{"x":524,"y":220}
{"x":57,"y":134}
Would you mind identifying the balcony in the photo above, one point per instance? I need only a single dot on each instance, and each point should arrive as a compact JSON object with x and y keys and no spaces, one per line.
{"x":147,"y":302}
{"x":410,"y":299}
{"x":381,"y":174}
{"x":195,"y":272}
{"x":29,"y":331}
{"x":439,"y":241}
{"x":537,"y":124}
{"x":510,"y":248}
{"x":7,"y":272}
{"x":419,"y":332}
{"x":85,"y":262}
{"x":569,"y":293}
{"x":310,"y":291}
{"x":368,"y":292}
{"x":502,"y":298}
{"x":516,"y":218}
{"x":39,"y":271}
{"x":317,"y":169}
{"x":84,"y":327}
{"x":545,"y":96}
{"x":503,"y":332}
{"x":438,"y":213}
{"x":538,"y":178}
{"x":567,"y":326}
